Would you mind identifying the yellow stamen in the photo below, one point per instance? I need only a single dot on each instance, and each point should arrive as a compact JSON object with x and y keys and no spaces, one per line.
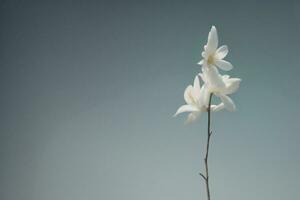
{"x":210,"y":59}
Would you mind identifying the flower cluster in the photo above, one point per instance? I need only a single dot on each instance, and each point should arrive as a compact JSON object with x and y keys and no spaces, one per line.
{"x":197,"y":96}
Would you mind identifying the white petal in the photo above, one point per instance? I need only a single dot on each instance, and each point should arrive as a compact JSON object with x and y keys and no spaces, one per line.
{"x":228,"y":103}
{"x":223,"y":64}
{"x":212,"y":42}
{"x":201,"y":62}
{"x":197,"y":82}
{"x":216,"y":108}
{"x":232,"y":85}
{"x":188,"y":94}
{"x":225,"y":77}
{"x":196,"y":91}
{"x":213,"y":79}
{"x":203,"y":75}
{"x":205,"y":65}
{"x":222,"y":52}
{"x":185,"y":108}
{"x":192,"y":117}
{"x":204,"y":96}
{"x":204,"y":54}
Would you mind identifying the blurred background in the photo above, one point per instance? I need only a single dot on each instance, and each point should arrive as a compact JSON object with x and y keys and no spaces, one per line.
{"x":88,"y":89}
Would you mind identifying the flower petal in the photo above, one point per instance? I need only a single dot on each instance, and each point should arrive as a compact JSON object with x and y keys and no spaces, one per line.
{"x":201,"y":62}
{"x":213,"y":79}
{"x":192,"y":117}
{"x":228,"y":103}
{"x":232,"y":85}
{"x":185,"y":108}
{"x":222,"y":52}
{"x":212,"y":41}
{"x":223,"y":64}
{"x":204,"y":96}
{"x":225,"y":77}
{"x":196,"y":89}
{"x":202,"y":75}
{"x":188,"y":94}
{"x":216,"y":108}
{"x":204,"y":54}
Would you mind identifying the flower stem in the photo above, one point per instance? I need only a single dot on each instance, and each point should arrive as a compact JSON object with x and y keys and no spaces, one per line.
{"x":209,"y":133}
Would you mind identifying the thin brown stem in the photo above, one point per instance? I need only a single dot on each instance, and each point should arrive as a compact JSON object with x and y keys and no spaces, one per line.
{"x":209,"y":133}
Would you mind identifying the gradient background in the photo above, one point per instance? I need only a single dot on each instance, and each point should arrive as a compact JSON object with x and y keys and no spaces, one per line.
{"x":88,"y":91}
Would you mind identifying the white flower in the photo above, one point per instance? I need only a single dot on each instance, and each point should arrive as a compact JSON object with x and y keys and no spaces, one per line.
{"x":197,"y":99}
{"x":212,"y":55}
{"x":220,"y":86}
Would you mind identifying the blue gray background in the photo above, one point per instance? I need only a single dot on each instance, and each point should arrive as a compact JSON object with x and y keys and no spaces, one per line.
{"x":88,"y":90}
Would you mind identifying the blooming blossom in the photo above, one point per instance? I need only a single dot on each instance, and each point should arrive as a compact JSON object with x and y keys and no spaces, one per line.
{"x":197,"y":99}
{"x":220,"y":86}
{"x":212,"y":55}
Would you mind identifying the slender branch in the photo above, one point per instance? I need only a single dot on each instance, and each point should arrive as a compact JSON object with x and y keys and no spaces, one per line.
{"x":203,"y":176}
{"x":209,"y":133}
